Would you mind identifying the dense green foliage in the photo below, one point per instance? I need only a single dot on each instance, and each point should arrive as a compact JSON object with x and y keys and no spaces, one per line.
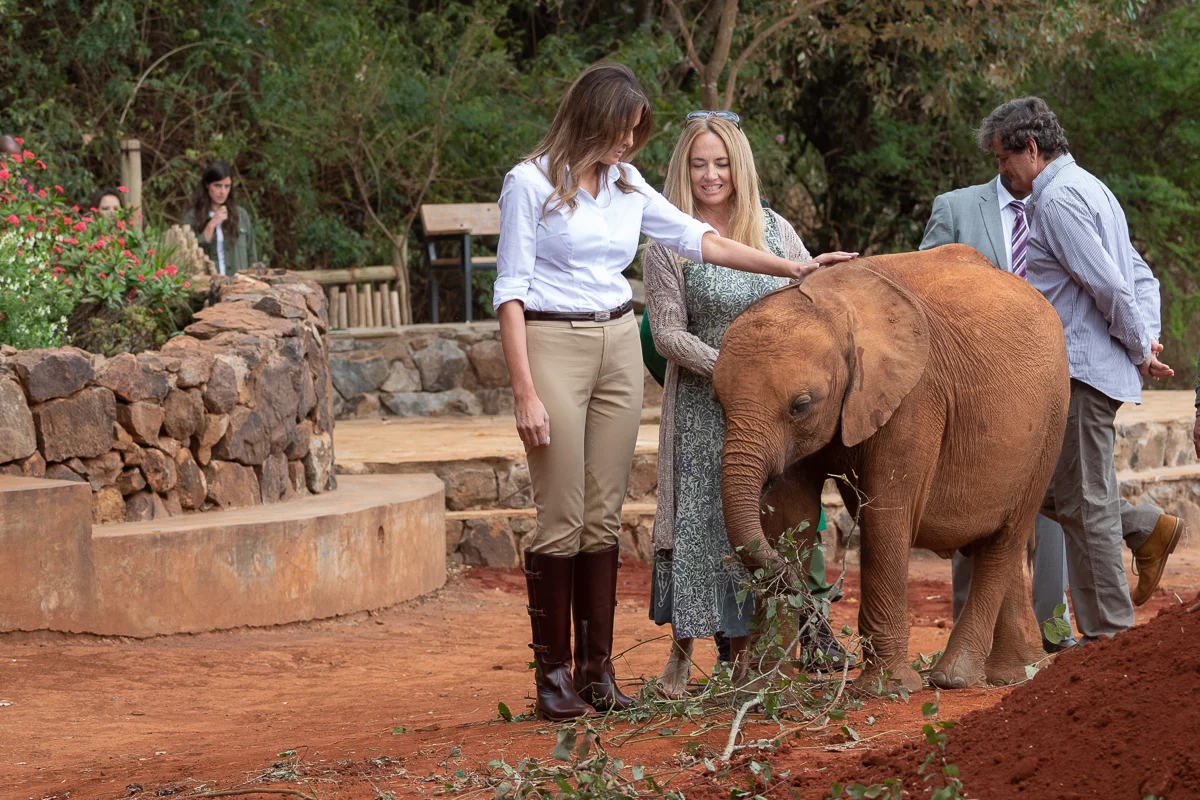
{"x":341,"y":118}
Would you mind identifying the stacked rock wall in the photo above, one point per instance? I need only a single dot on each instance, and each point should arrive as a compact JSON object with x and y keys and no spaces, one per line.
{"x":427,"y":371}
{"x":235,"y":413}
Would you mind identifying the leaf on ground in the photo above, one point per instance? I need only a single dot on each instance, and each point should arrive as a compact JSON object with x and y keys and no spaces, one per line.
{"x":505,"y":714}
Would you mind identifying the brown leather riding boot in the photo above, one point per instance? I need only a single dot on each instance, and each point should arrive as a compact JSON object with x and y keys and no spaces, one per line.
{"x":549,"y":580}
{"x":595,"y":605}
{"x":1151,"y":557}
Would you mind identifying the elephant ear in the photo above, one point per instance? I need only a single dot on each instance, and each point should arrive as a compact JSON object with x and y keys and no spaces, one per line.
{"x":888,"y":344}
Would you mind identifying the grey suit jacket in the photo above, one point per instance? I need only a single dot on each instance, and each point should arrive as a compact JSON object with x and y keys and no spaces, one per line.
{"x":969,"y":216}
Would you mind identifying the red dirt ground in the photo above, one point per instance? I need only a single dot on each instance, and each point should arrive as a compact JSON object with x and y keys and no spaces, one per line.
{"x":91,"y":717}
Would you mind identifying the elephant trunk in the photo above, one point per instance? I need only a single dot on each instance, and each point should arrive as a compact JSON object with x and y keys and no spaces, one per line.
{"x":745,"y":469}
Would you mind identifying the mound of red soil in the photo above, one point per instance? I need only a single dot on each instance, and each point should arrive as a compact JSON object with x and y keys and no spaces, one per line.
{"x":1114,"y":719}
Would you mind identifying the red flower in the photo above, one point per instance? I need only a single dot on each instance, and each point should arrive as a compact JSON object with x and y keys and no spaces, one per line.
{"x":120,"y":224}
{"x":160,"y":311}
{"x":141,"y":278}
{"x":41,"y":193}
{"x":59,"y":270}
{"x":137,"y":261}
{"x":121,"y":272}
{"x":17,"y":157}
{"x":79,"y":226}
{"x":18,"y":140}
{"x":41,"y":164}
{"x":75,"y":209}
{"x":172,"y":270}
{"x":103,"y":277}
{"x":187,"y":284}
{"x":12,"y":219}
{"x":68,"y":280}
{"x":158,"y":274}
{"x":28,"y":154}
{"x":4,"y":175}
{"x":121,"y":242}
{"x":86,"y":219}
{"x":126,"y":253}
{"x":122,"y":189}
{"x":58,"y":189}
{"x":149,"y":252}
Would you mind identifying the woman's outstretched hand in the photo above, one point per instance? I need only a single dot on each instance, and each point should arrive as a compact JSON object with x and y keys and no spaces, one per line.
{"x":837,"y":256}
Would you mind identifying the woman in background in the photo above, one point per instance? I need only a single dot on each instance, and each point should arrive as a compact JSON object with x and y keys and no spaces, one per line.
{"x":222,"y":227}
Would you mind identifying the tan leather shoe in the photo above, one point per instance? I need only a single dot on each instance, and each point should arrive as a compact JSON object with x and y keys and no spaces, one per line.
{"x":1151,"y":557}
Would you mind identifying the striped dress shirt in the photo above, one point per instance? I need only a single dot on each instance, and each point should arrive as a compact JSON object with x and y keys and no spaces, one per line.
{"x":1080,"y":258}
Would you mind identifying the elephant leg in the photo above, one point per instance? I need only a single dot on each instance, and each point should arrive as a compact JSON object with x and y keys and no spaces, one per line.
{"x":997,"y":566}
{"x":883,"y":614}
{"x":1016,"y":642}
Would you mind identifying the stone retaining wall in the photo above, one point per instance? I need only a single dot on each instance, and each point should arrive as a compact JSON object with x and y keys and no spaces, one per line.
{"x":426,"y":371}
{"x":237,"y":412}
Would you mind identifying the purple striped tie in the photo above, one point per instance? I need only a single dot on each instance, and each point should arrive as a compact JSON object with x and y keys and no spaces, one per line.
{"x":1020,"y":237}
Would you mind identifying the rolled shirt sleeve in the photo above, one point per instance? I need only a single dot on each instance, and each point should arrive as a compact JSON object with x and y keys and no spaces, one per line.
{"x":1073,"y":239}
{"x":666,"y":224}
{"x":520,"y":209}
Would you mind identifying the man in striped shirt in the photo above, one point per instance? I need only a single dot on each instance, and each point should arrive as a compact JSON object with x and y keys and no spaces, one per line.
{"x":1079,"y":256}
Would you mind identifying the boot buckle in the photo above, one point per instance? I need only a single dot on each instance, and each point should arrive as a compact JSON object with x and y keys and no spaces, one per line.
{"x":539,"y":648}
{"x":535,"y":612}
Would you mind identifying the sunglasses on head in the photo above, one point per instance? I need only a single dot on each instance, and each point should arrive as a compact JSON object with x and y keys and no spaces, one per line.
{"x":728,"y":116}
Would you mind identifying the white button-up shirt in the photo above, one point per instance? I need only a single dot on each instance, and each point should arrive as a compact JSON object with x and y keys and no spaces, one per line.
{"x":567,"y":260}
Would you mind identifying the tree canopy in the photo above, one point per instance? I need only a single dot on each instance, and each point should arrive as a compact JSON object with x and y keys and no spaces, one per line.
{"x":342,"y":118}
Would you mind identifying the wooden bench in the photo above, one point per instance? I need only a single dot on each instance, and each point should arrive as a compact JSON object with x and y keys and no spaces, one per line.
{"x":458,"y":222}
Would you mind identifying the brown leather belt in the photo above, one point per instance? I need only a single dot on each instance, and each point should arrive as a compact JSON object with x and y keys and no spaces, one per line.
{"x":579,"y":316}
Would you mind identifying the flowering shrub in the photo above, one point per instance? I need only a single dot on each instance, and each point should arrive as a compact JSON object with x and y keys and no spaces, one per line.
{"x":68,"y":275}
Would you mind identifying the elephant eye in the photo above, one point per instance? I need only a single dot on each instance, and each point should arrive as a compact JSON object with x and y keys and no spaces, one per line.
{"x":799,"y":404}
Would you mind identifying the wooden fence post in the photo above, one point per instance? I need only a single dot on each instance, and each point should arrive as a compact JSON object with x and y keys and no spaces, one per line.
{"x":131,"y":174}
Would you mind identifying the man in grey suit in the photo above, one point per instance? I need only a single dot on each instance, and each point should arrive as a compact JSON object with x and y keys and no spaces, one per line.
{"x":991,"y":218}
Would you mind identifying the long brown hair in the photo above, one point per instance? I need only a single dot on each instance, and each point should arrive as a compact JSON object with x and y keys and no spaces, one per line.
{"x":598,"y":109}
{"x":201,"y":204}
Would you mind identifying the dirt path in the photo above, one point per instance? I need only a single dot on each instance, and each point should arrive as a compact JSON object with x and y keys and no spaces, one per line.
{"x":111,"y":718}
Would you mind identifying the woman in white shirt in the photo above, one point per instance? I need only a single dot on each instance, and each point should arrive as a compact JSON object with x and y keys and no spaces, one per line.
{"x":570,"y":219}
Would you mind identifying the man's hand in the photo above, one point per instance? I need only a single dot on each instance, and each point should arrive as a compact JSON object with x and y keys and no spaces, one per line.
{"x":1154,"y":369}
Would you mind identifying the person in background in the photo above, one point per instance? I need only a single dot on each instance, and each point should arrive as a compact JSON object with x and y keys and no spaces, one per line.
{"x":222,"y":227}
{"x":107,"y":201}
{"x":1079,"y":256}
{"x":712,"y":177}
{"x":571,"y":216}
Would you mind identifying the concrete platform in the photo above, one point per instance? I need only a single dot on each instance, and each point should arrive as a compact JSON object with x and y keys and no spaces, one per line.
{"x":376,"y":541}
{"x":482,"y":463}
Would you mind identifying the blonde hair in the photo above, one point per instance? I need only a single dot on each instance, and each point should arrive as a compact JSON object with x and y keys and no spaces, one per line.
{"x":598,"y":109}
{"x":746,"y":221}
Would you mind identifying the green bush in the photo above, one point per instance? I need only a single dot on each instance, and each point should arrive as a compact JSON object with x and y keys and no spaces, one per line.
{"x":70,"y":275}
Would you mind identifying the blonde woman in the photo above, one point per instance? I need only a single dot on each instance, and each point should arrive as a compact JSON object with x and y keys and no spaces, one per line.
{"x":690,"y":303}
{"x":571,"y":216}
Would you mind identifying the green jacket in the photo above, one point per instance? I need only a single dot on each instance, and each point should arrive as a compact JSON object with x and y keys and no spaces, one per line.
{"x":239,"y":255}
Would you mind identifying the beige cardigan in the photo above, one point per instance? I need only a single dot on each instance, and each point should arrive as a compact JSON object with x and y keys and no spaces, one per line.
{"x":665,"y":303}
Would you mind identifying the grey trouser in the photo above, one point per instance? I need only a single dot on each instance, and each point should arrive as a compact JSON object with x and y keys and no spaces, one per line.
{"x":1084,"y":497}
{"x":1050,"y":560}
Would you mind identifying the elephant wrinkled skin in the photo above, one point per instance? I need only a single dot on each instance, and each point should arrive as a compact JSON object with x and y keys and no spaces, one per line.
{"x":941,"y":383}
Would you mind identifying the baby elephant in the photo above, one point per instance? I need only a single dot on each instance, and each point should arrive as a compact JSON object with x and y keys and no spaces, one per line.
{"x":939,"y":385}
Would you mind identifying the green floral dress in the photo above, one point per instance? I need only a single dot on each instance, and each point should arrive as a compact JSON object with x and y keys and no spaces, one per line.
{"x":696,"y":585}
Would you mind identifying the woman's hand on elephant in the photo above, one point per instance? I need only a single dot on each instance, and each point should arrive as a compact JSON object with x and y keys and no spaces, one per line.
{"x":799,"y":270}
{"x":533,"y":423}
{"x":837,"y":256}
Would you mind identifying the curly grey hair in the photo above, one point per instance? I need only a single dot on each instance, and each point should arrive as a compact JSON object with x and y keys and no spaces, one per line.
{"x":1018,"y":121}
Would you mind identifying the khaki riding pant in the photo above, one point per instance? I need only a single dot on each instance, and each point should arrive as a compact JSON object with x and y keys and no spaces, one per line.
{"x":588,"y":375}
